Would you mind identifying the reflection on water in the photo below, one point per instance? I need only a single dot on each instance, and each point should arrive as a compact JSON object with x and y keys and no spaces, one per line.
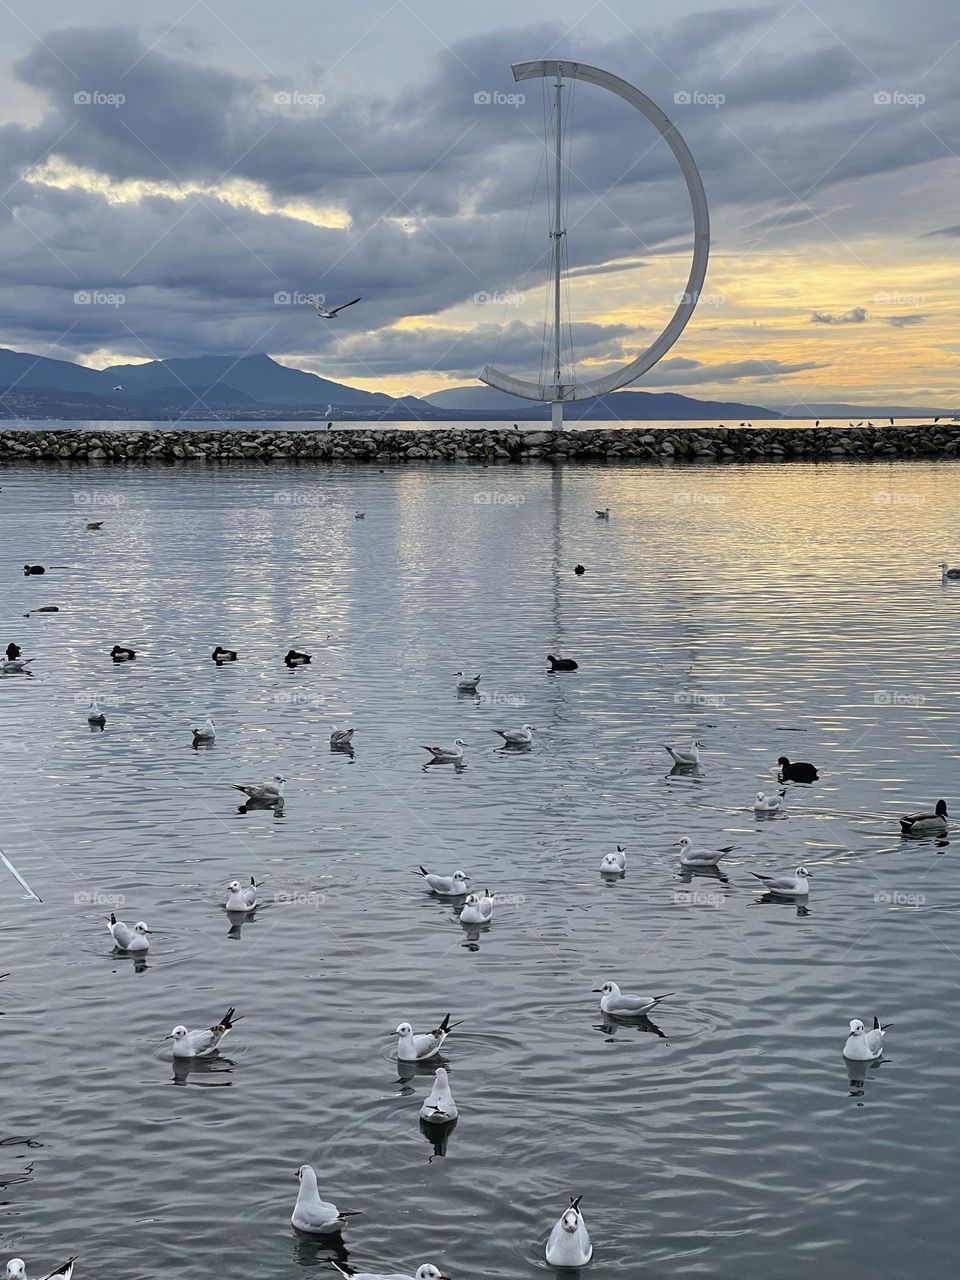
{"x":763,"y":611}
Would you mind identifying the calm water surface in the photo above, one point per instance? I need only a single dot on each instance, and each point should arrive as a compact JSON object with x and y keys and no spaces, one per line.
{"x":794,"y":610}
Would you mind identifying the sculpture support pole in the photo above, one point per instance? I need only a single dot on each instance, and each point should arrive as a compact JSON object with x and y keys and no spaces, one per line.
{"x":557,"y":416}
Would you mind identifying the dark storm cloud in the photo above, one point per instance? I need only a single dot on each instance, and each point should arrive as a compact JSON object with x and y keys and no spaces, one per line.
{"x":856,"y":315}
{"x":796,"y":118}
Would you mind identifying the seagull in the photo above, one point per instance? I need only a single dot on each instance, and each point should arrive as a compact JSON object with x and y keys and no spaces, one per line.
{"x":614,"y":1002}
{"x":294,"y":658}
{"x":17,"y":1270}
{"x":439,"y":1106}
{"x":521,"y":737}
{"x":604,"y":514}
{"x":561,"y":664}
{"x":768,"y":804}
{"x":17,"y":667}
{"x":467,"y":684}
{"x":420,"y":1047}
{"x":128,"y":939}
{"x":94,"y":524}
{"x":268,"y":793}
{"x":447,"y":886}
{"x":310,"y":1213}
{"x":915,"y":823}
{"x":333,"y":312}
{"x":447,"y":755}
{"x":797,"y":771}
{"x":119,"y":654}
{"x":118,"y":387}
{"x":691,"y":857}
{"x":426,"y":1271}
{"x":220,"y":656}
{"x":613,"y":864}
{"x":946,"y":572}
{"x":240,"y":898}
{"x":863,"y":1045}
{"x":688,"y":757}
{"x":795,"y":886}
{"x":202,"y":1044}
{"x":569,"y":1244}
{"x":478,"y":909}
{"x":205,"y":733}
{"x":341,"y":738}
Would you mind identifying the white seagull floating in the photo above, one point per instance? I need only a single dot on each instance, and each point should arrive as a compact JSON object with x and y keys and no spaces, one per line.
{"x":691,"y":756}
{"x":419,"y":1047}
{"x":269,"y":793}
{"x":17,"y":667}
{"x":467,"y":684}
{"x":331,"y":314}
{"x":17,"y":1270}
{"x":201,"y":1044}
{"x":768,"y":804}
{"x":521,"y":737}
{"x":613,"y":864}
{"x":205,"y":733}
{"x":478,"y":909}
{"x":426,"y":1271}
{"x":128,"y":939}
{"x":863,"y":1045}
{"x":439,"y":1106}
{"x":691,"y":857}
{"x":569,"y":1244}
{"x":447,"y":886}
{"x":447,"y":755}
{"x":240,"y":898}
{"x":310,"y":1213}
{"x":795,"y":886}
{"x":620,"y":1005}
{"x":94,"y":714}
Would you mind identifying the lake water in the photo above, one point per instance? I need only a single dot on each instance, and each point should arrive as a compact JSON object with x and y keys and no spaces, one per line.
{"x":766,"y":610}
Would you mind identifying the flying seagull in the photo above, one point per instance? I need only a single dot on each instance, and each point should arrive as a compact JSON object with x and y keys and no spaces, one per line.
{"x":333,"y":312}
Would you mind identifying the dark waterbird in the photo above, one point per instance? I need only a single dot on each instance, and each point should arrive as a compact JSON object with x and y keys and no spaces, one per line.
{"x":579,"y":570}
{"x":915,"y":823}
{"x":119,"y":654}
{"x":562,"y":664}
{"x":293,"y":658}
{"x":798,"y":771}
{"x":31,"y":570}
{"x":220,"y":656}
{"x":13,"y":651}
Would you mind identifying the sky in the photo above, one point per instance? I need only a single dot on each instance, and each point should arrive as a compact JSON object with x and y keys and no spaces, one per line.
{"x":185,"y":178}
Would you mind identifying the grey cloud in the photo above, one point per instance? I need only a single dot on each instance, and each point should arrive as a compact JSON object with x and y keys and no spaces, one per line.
{"x":857,"y":315}
{"x":903,"y":322}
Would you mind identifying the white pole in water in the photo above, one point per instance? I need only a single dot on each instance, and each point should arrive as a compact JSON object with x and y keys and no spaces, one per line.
{"x":557,"y":413}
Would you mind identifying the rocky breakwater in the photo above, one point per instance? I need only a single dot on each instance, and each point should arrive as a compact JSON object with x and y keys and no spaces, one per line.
{"x":472,"y":444}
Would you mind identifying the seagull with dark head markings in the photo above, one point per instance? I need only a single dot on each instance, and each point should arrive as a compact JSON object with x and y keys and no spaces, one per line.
{"x":331,"y":313}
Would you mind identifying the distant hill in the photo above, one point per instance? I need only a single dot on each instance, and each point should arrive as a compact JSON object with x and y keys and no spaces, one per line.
{"x":644,"y":406}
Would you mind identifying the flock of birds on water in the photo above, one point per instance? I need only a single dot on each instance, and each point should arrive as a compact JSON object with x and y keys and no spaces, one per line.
{"x":569,"y":1244}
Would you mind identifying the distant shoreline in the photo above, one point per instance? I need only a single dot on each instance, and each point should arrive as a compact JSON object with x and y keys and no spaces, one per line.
{"x":481,"y":444}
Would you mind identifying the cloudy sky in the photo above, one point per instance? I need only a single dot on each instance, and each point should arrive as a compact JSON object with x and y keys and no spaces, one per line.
{"x":198,"y":170}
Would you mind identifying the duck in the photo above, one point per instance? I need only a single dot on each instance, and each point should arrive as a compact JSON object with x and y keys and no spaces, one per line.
{"x":94,"y":714}
{"x":205,"y":732}
{"x":127,"y":939}
{"x":94,"y":524}
{"x":863,"y":1045}
{"x":13,"y":651}
{"x":691,"y":857}
{"x":478,"y":909}
{"x":579,"y":570}
{"x":439,"y":1106}
{"x":916,"y":823}
{"x":240,"y":898}
{"x":945,"y":571}
{"x":313,"y":1215}
{"x":768,"y":804}
{"x":562,"y":664}
{"x":119,"y":654}
{"x":294,"y":658}
{"x":689,"y":756}
{"x":569,"y":1243}
{"x":797,"y":771}
{"x":32,"y":570}
{"x":614,"y":864}
{"x":220,"y":656}
{"x":467,"y":684}
{"x":795,"y":886}
{"x":359,"y":515}
{"x":340,"y":739}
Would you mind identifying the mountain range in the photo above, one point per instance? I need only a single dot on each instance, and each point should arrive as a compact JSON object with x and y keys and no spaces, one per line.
{"x":257,"y":386}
